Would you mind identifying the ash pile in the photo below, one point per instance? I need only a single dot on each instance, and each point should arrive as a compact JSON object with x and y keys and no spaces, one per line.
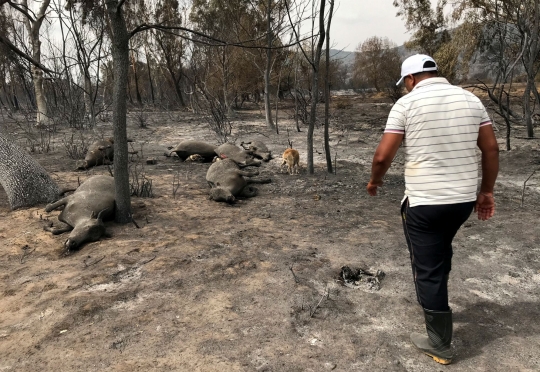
{"x":357,"y":278}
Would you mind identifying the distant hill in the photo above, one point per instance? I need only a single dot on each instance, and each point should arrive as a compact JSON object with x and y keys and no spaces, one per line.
{"x":342,"y":55}
{"x":348,"y":57}
{"x":478,"y":65}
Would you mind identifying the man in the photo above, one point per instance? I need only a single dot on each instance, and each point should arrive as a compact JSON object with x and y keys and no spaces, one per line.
{"x":439,"y":126}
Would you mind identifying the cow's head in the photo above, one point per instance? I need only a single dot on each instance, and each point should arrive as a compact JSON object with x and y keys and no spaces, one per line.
{"x":261,"y":153}
{"x":221,"y":195}
{"x":87,"y":231}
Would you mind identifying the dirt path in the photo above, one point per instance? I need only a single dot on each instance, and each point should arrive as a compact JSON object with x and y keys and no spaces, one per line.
{"x":204,"y":286}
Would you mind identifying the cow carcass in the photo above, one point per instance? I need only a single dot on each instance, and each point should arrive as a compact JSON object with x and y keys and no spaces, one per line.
{"x":99,"y":153}
{"x":185,"y":149}
{"x":84,"y":211}
{"x":228,"y":181}
{"x":258,"y":149}
{"x":241,"y":157}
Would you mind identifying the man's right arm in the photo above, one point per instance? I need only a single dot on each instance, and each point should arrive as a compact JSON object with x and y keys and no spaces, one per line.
{"x":487,"y":142}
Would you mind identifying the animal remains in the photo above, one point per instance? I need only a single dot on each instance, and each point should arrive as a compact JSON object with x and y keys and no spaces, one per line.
{"x":187,"y":148}
{"x":99,"y":153}
{"x":227,"y":181}
{"x":258,"y":149}
{"x":84,"y":211}
{"x":241,"y":157}
{"x":291,"y":158}
{"x":196,"y":158}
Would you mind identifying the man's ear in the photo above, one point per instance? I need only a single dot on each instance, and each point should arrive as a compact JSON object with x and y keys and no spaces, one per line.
{"x":414,"y":82}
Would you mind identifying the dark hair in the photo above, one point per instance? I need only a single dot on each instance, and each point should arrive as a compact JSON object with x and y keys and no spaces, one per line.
{"x":429,"y":64}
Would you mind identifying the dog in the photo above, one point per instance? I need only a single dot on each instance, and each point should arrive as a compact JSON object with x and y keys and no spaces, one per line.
{"x":291,"y":158}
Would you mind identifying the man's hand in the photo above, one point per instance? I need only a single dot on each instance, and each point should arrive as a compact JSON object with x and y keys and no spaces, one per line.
{"x":485,"y":206}
{"x":372,"y":187}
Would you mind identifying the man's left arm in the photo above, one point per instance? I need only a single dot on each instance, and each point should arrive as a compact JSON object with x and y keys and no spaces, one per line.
{"x":382,"y":159}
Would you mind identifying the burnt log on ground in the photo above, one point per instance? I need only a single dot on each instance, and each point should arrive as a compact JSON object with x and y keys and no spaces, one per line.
{"x":24,"y":180}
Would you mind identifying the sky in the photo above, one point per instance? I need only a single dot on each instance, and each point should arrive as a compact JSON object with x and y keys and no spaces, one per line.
{"x":357,"y":20}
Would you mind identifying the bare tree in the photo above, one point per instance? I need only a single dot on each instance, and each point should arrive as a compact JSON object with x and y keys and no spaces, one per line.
{"x":83,"y":42}
{"x":313,"y":57}
{"x":327,"y":93}
{"x":171,"y":47}
{"x":33,"y":25}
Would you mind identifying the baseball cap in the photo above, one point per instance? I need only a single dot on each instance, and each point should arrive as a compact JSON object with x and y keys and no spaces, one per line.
{"x":415,"y":64}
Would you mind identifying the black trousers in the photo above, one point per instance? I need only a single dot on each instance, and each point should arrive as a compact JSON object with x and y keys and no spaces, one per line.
{"x":429,"y":231}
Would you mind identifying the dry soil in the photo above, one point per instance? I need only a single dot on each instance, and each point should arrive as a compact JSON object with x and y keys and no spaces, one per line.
{"x":254,"y":286}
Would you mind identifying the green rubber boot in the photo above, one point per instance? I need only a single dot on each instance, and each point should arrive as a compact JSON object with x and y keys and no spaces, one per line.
{"x":437,"y":343}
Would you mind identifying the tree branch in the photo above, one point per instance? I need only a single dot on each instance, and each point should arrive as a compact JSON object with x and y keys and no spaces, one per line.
{"x":4,"y":40}
{"x":120,"y":3}
{"x":217,"y":42}
{"x":19,"y":8}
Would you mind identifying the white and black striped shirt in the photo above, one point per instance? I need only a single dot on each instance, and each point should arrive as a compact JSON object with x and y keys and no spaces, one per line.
{"x":440,"y":123}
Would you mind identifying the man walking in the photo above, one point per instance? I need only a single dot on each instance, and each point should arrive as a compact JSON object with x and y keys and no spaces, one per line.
{"x":439,"y":126}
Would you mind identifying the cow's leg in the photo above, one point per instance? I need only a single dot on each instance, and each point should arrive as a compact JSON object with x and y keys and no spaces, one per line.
{"x":66,"y":190}
{"x":247,"y":173}
{"x":58,"y":230}
{"x":258,"y":180}
{"x":249,"y":165}
{"x":59,"y":203}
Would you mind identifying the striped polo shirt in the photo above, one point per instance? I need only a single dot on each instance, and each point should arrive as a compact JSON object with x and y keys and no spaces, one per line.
{"x":440,"y":123}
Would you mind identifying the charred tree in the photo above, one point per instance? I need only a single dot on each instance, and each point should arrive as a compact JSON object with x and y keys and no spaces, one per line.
{"x":33,"y":27}
{"x":120,"y":54}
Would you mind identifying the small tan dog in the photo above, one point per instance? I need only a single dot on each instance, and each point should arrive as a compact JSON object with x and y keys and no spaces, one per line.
{"x":291,"y":158}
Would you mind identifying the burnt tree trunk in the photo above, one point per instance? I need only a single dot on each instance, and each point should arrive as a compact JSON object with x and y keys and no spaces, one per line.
{"x":315,"y":66}
{"x":120,"y":54}
{"x":24,"y":180}
{"x":136,"y":78}
{"x":268,"y":69}
{"x":150,"y":82}
{"x":33,"y":27}
{"x":327,"y":94}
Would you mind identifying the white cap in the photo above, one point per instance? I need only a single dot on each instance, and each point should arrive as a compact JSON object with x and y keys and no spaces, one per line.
{"x":415,"y":64}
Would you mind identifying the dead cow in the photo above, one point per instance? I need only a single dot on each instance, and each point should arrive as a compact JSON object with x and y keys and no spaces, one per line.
{"x":258,"y":149}
{"x":241,"y":157}
{"x":187,"y":148}
{"x":99,"y":153}
{"x":227,"y":181}
{"x":84,"y":211}
{"x":291,"y":158}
